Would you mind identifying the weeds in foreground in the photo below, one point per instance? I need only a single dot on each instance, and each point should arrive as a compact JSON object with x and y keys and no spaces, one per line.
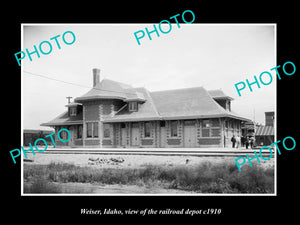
{"x":204,"y":178}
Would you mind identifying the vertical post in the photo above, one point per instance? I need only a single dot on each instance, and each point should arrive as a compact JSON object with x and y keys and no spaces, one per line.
{"x":83,"y":126}
{"x":198,"y":132}
{"x":221,"y":122}
{"x":157,"y":134}
{"x":180,"y":132}
{"x":100,"y":127}
{"x":129,"y":134}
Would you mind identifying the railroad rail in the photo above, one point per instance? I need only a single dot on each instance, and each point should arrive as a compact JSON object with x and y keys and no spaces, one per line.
{"x":158,"y":151}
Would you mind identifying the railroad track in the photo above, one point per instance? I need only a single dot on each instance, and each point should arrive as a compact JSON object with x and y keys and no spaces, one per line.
{"x":163,"y":152}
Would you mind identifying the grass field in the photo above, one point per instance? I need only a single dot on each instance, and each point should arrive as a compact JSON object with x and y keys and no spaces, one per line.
{"x":205,"y":177}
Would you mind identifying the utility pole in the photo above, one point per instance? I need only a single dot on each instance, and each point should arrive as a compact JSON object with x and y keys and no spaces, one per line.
{"x":254,"y":119}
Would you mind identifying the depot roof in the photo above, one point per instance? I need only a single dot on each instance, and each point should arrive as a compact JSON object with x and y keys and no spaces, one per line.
{"x":186,"y":103}
{"x":109,"y":89}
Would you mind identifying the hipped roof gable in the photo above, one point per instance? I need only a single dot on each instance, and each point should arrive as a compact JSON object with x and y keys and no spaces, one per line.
{"x":187,"y":103}
{"x":109,"y":89}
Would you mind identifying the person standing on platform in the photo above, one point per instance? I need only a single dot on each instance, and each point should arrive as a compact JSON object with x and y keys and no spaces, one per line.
{"x":251,"y":142}
{"x":233,"y":140}
{"x":247,"y":142}
{"x":238,"y":141}
{"x":242,"y":141}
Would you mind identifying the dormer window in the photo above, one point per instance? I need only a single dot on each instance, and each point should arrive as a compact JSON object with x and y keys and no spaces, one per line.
{"x":133,"y":106}
{"x":228,"y":105}
{"x":74,"y":108}
{"x":73,"y":111}
{"x":225,"y":103}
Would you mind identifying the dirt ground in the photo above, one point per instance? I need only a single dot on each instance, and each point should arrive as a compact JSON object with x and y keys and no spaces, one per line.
{"x":88,"y":188}
{"x":131,"y":161}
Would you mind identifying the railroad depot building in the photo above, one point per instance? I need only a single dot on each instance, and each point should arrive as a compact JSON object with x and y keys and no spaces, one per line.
{"x":116,"y":115}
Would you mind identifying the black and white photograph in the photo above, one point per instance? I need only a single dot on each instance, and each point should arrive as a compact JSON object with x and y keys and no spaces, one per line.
{"x":158,"y":114}
{"x":106,"y":115}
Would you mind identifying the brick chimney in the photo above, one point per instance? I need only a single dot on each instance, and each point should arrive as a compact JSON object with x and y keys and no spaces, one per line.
{"x":96,"y":76}
{"x":269,"y":118}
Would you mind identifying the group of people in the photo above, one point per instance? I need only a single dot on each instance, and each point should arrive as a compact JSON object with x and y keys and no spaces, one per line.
{"x":243,"y":141}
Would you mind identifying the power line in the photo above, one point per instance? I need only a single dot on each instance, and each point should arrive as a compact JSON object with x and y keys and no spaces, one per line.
{"x":66,"y":82}
{"x":75,"y":84}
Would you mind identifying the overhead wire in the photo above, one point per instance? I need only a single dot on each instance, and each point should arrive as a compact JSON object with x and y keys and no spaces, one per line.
{"x":75,"y":84}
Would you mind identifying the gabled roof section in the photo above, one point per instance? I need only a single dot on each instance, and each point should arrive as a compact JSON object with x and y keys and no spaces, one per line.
{"x":219,"y":94}
{"x":146,"y":110}
{"x":183,"y":103}
{"x":188,"y":103}
{"x":109,"y":89}
{"x":37,"y":131}
{"x":64,"y":119}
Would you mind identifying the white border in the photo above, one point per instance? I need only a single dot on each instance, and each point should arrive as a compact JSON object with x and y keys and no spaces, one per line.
{"x":200,"y":194}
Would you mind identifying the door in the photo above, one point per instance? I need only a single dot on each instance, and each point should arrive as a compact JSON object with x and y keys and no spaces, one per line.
{"x":123,"y":137}
{"x":163,"y":138}
{"x":135,"y":137}
{"x":189,"y":136}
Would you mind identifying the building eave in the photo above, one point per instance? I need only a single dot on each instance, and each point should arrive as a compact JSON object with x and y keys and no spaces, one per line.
{"x":204,"y":117}
{"x":77,"y":122}
{"x":119,"y":120}
{"x":123,"y":120}
{"x":90,"y":98}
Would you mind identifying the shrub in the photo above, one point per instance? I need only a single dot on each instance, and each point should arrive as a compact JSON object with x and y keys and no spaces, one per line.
{"x":204,"y":178}
{"x":253,"y":180}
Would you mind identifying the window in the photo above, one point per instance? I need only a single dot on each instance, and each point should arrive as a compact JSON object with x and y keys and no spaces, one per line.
{"x":89,"y":130}
{"x":205,"y":132}
{"x":63,"y":135}
{"x":73,"y":111}
{"x":205,"y":123}
{"x":216,"y":132}
{"x":92,"y":129}
{"x":228,"y":107}
{"x":133,"y":106}
{"x":147,"y":129}
{"x":79,"y":131}
{"x":106,"y":132}
{"x":174,"y":128}
{"x":95,"y":129}
{"x":215,"y":122}
{"x":211,"y":128}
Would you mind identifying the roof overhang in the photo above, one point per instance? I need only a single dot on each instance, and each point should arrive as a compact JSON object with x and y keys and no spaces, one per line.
{"x":73,"y":104}
{"x":119,"y":120}
{"x":223,"y":97}
{"x":122,"y":120}
{"x":90,"y":98}
{"x":134,"y":100}
{"x":204,"y":117}
{"x":77,"y":122}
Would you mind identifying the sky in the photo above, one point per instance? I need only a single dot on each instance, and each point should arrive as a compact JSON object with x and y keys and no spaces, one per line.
{"x":214,"y":56}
